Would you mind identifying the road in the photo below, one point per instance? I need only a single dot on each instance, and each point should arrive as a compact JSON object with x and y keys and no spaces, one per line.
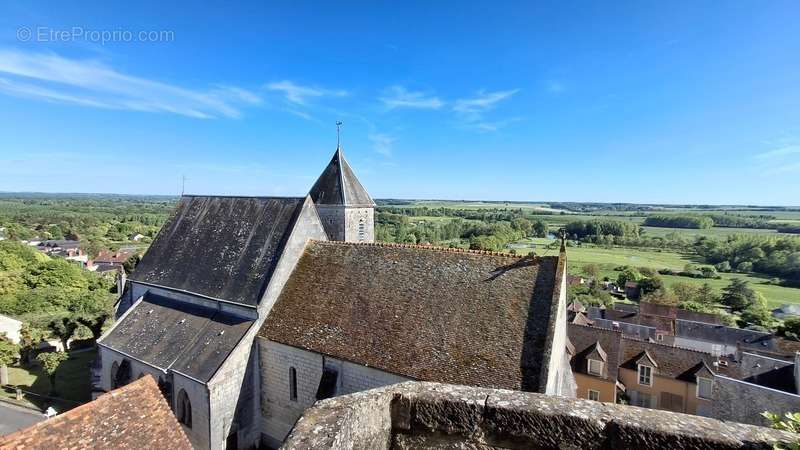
{"x":13,"y":418}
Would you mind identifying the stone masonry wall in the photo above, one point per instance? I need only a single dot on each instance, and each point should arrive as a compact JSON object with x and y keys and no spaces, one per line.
{"x":332,"y":218}
{"x":227,"y":386}
{"x":279,"y":412}
{"x":743,"y":402}
{"x":198,"y":396}
{"x":353,"y":217}
{"x":430,"y":415}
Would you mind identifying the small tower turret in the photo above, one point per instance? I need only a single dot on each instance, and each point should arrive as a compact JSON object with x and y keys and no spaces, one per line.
{"x":346,"y":209}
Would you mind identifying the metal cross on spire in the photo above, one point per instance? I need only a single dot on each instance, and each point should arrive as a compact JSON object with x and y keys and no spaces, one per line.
{"x":338,"y":128}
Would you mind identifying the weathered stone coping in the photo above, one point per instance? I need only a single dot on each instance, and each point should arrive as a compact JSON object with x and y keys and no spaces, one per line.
{"x":432,"y":415}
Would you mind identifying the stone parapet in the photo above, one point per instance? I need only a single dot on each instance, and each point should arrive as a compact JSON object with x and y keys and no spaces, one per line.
{"x":432,"y":415}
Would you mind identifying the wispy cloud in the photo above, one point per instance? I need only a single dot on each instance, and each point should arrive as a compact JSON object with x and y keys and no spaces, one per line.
{"x":400,"y":97}
{"x":50,"y":77}
{"x":382,"y":143}
{"x":778,"y":152}
{"x":473,"y":110}
{"x":299,"y":94}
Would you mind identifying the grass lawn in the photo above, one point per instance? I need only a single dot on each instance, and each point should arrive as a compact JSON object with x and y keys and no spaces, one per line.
{"x":609,"y":258}
{"x":72,"y":381}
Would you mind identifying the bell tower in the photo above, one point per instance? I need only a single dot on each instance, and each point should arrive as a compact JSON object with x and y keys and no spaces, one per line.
{"x":346,"y":209}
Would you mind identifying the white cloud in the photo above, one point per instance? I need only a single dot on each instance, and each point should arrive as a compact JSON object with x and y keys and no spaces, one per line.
{"x":473,"y":110}
{"x":780,"y":151}
{"x":299,"y":95}
{"x":483,"y":101}
{"x":399,"y":97}
{"x":50,"y":77}
{"x":382,"y":143}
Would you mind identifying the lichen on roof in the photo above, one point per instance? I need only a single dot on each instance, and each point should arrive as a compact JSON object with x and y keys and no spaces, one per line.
{"x":424,"y":313}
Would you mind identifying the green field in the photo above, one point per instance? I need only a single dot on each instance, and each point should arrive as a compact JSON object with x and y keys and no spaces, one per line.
{"x":609,"y":258}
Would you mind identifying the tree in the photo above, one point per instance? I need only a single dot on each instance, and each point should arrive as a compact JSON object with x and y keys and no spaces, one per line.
{"x":64,"y":328}
{"x":51,"y":361}
{"x":539,"y":228}
{"x":9,"y":352}
{"x":592,"y":271}
{"x":757,"y":313}
{"x":661,"y":297}
{"x":738,"y":295}
{"x":30,"y":337}
{"x":707,"y":295}
{"x":131,"y":264}
{"x":626,"y":275}
{"x":649,"y":285}
{"x":791,"y":327}
{"x":94,"y":323}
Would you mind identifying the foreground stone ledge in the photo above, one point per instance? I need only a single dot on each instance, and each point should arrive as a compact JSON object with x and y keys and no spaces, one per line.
{"x":432,"y":415}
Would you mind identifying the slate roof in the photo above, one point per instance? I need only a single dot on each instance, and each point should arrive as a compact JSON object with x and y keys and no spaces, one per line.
{"x":432,"y":314}
{"x":338,"y":185}
{"x":721,"y":334}
{"x":221,"y":247}
{"x":135,"y":416}
{"x":584,"y":339}
{"x":191,"y":339}
{"x":672,"y":362}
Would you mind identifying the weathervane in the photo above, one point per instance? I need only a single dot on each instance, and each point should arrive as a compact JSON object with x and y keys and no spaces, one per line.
{"x":338,"y":127}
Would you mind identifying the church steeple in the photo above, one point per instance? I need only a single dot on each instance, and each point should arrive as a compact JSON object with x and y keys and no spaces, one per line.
{"x":346,"y":209}
{"x":338,"y":184}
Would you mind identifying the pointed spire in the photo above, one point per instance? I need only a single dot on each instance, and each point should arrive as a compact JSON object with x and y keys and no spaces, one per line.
{"x":338,"y":184}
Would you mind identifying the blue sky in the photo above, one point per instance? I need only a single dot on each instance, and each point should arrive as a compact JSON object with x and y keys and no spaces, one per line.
{"x":641,"y":101}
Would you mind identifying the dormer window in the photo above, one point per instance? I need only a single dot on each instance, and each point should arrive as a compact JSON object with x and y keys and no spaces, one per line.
{"x":595,"y":367}
{"x":645,"y":375}
{"x":705,"y":388}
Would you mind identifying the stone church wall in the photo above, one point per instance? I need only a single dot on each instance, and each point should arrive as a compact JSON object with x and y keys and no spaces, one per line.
{"x":332,"y":218}
{"x":278,"y":411}
{"x":198,"y":396}
{"x":353,"y":218}
{"x":232,"y":389}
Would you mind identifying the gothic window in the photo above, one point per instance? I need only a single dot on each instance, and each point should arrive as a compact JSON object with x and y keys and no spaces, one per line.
{"x":114,"y":371}
{"x":362,"y":230}
{"x":184,"y":409}
{"x":292,"y":384}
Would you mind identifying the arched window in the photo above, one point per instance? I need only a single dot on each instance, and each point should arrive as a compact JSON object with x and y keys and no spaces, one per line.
{"x":292,"y":384}
{"x":114,"y":372}
{"x":184,"y":409}
{"x":362,"y":230}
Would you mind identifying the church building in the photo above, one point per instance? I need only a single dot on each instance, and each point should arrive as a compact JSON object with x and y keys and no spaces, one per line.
{"x":248,"y":309}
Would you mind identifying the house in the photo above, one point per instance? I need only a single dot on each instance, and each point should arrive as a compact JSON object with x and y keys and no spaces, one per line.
{"x":609,"y":366}
{"x":10,"y":328}
{"x":133,"y":417}
{"x":786,"y":311}
{"x":109,"y":260}
{"x":357,"y":316}
{"x":136,"y":237}
{"x":754,"y":384}
{"x":189,"y":313}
